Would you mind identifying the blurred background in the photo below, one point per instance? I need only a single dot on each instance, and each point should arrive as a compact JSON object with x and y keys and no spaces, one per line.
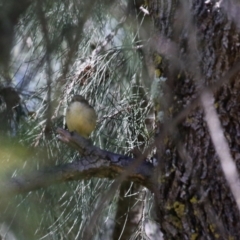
{"x":51,"y":50}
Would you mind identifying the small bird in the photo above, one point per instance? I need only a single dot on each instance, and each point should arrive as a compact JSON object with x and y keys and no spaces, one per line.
{"x":81,"y":116}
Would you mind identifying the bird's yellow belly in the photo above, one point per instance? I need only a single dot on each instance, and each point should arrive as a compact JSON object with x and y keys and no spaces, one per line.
{"x":81,"y":119}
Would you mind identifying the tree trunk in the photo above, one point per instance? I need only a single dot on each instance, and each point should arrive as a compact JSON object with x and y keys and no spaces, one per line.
{"x":129,"y":213}
{"x":199,"y":43}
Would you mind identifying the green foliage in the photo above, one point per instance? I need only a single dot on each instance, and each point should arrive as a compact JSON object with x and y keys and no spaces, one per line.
{"x":46,"y":78}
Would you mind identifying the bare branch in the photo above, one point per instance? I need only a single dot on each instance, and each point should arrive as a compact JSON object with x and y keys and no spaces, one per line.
{"x":94,"y":162}
{"x":221,"y":146}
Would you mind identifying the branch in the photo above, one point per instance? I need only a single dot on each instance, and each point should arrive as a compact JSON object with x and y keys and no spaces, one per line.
{"x":10,"y":13}
{"x":229,"y":167}
{"x":94,"y":162}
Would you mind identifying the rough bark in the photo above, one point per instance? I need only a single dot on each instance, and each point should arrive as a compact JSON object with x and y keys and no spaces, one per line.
{"x":201,"y":44}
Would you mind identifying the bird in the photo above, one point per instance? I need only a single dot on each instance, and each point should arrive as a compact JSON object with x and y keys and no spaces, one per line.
{"x":81,"y":116}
